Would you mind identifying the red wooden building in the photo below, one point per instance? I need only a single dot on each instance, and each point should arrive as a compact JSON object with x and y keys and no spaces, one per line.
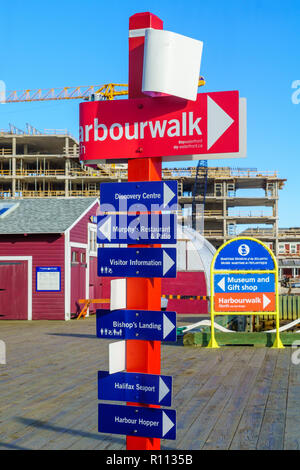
{"x":48,"y":257}
{"x":48,"y":261}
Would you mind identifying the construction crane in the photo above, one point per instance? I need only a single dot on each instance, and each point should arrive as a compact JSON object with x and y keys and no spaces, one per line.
{"x":109,"y":91}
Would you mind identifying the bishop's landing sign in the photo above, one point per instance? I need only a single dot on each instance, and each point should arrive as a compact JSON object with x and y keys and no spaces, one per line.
{"x":168,"y":127}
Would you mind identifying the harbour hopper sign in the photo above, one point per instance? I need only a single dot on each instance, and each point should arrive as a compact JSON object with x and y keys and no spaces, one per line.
{"x":213,"y":126}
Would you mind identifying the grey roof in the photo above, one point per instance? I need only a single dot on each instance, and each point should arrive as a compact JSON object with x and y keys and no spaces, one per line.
{"x":42,"y":215}
{"x":289,"y":263}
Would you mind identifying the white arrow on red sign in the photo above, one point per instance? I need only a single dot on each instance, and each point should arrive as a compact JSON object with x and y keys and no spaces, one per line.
{"x":266,"y":301}
{"x":213,"y":126}
{"x":218,"y":121}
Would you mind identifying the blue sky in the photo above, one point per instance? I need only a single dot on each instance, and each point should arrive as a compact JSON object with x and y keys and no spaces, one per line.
{"x":251,"y":46}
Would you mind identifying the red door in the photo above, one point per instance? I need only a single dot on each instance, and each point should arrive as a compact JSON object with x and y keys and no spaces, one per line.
{"x":14,"y":290}
{"x":78,"y":278}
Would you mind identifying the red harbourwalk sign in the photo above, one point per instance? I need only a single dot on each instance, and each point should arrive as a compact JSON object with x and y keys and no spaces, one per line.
{"x":167,"y":127}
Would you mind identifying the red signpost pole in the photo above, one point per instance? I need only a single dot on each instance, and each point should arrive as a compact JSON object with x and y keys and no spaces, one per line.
{"x":143,"y":294}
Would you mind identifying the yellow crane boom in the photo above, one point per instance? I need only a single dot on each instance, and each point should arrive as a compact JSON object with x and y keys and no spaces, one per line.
{"x":108,"y":92}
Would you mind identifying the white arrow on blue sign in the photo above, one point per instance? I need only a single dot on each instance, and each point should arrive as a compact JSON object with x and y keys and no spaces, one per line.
{"x":144,"y":228}
{"x":137,"y":421}
{"x":246,"y":282}
{"x":136,"y":324}
{"x":137,"y":262}
{"x":135,"y":387}
{"x":138,"y":196}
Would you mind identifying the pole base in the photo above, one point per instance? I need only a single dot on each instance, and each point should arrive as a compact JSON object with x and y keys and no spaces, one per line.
{"x":278,"y":344}
{"x":213,"y":344}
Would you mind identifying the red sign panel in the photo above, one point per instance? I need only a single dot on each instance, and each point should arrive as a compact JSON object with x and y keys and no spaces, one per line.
{"x":161,"y":127}
{"x":248,"y":302}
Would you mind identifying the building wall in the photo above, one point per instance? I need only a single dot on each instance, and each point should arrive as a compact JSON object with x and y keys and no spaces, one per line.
{"x":79,"y":233}
{"x":79,"y":268}
{"x":186,"y":283}
{"x":46,"y":250}
{"x":96,"y":288}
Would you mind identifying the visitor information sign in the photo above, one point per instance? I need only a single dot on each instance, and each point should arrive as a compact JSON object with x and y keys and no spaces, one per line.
{"x":137,"y":262}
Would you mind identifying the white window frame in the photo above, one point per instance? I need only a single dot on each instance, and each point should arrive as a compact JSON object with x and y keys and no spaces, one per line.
{"x":92,"y":228}
{"x":231,"y":225}
{"x":219,"y":187}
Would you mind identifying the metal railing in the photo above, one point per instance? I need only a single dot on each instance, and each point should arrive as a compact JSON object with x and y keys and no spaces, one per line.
{"x":257,"y":232}
{"x":41,"y":193}
{"x":213,"y":213}
{"x":34,"y":194}
{"x":252,"y":173}
{"x":5,"y":151}
{"x":218,"y":173}
{"x":213,"y":233}
{"x":90,"y":173}
{"x":289,"y":233}
{"x":250,"y":214}
{"x":289,"y":254}
{"x":84,"y":193}
{"x":108,"y":171}
{"x":28,"y":172}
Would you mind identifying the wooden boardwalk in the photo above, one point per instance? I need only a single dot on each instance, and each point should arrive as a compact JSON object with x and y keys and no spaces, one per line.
{"x":231,"y":398}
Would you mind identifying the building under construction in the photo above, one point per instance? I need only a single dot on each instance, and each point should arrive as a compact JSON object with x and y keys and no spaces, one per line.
{"x":221,"y":202}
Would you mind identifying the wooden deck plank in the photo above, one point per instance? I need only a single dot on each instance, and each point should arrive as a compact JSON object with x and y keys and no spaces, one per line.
{"x":247,"y":432}
{"x":274,"y":422}
{"x":271,"y":435}
{"x":292,"y":429}
{"x":248,"y":429}
{"x":204,"y":420}
{"x":222,"y":434}
{"x":233,"y":397}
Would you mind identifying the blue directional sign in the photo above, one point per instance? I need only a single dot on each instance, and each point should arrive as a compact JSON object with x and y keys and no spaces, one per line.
{"x":244,"y":254}
{"x":135,"y":387}
{"x":244,"y":283}
{"x":137,"y":421}
{"x":136,"y":324}
{"x":141,"y":196}
{"x":144,"y":228}
{"x":137,"y":262}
